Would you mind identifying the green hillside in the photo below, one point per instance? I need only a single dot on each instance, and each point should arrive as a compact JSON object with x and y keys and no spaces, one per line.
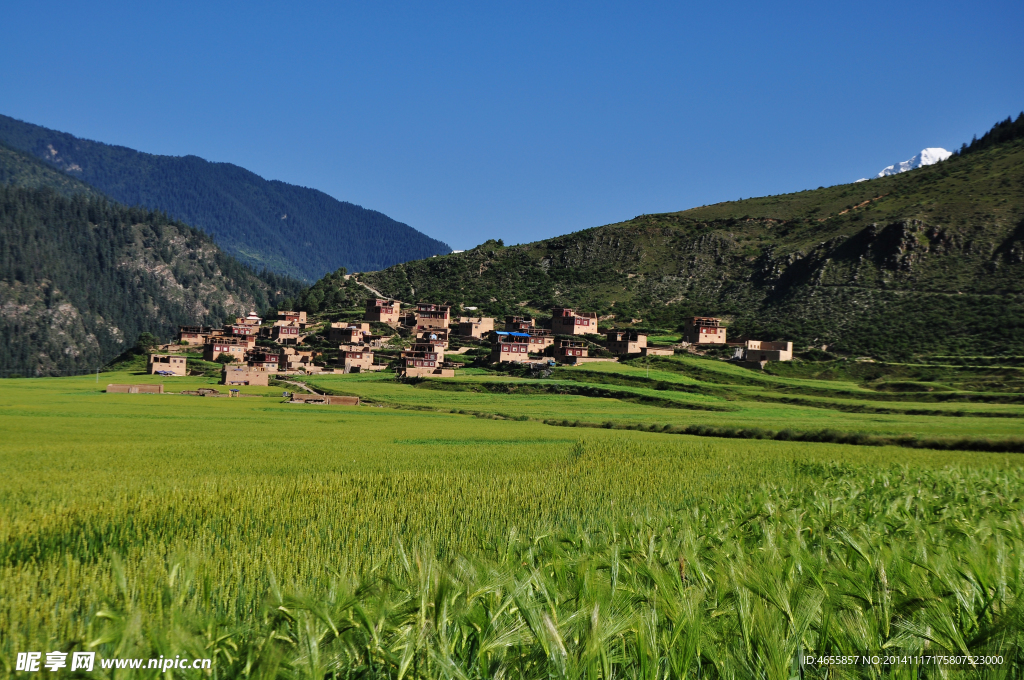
{"x":925,"y":262}
{"x":271,"y":225}
{"x":22,"y":170}
{"x":81,"y":278}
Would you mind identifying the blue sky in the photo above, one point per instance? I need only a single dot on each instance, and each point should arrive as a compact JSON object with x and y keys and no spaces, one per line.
{"x":521,"y":120}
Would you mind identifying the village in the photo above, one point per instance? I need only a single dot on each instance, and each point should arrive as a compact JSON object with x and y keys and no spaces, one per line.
{"x":425,"y":341}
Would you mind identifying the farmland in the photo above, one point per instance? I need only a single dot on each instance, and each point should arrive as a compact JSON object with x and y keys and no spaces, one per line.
{"x":477,"y":528}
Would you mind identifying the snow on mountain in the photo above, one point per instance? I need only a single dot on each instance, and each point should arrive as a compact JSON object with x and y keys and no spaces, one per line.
{"x":928,"y":156}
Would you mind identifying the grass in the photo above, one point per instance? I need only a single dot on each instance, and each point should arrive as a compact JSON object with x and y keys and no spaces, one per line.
{"x":413,"y":541}
{"x":684,"y":392}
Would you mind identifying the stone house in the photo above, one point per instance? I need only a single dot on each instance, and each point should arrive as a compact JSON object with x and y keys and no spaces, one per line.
{"x":194,"y":335}
{"x":475,"y":327}
{"x":264,"y":359}
{"x":567,"y":351}
{"x":511,"y":346}
{"x":519,"y":324}
{"x":245,"y":375}
{"x":292,"y":317}
{"x":704,"y":330}
{"x":565,"y":321}
{"x":383,"y":311}
{"x":762,"y":350}
{"x":540,"y":339}
{"x":114,"y":388}
{"x":236,"y":347}
{"x":435,"y":336}
{"x":287,"y":333}
{"x":626,"y":342}
{"x":358,"y":360}
{"x":429,"y":315}
{"x":166,"y":364}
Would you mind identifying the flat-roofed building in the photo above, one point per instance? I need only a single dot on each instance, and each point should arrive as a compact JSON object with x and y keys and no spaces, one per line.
{"x":704,"y":330}
{"x":248,"y":341}
{"x":475,"y":327}
{"x":347,"y":333}
{"x":435,"y":349}
{"x":291,"y":317}
{"x":194,"y":335}
{"x":220,"y":345}
{"x":424,"y":359}
{"x":626,"y":342}
{"x":114,"y":388}
{"x":241,"y":330}
{"x":429,"y":315}
{"x":521,"y":324}
{"x":421,"y":360}
{"x":566,"y":321}
{"x":383,"y":311}
{"x":511,"y":346}
{"x":289,"y":333}
{"x":165,"y":364}
{"x":762,"y":350}
{"x":540,"y":339}
{"x":433,"y":335}
{"x":296,"y":360}
{"x":245,"y":375}
{"x":567,"y":351}
{"x":358,"y":360}
{"x":261,"y":359}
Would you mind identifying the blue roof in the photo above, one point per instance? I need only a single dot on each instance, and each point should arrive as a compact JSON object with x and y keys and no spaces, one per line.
{"x":514,"y":335}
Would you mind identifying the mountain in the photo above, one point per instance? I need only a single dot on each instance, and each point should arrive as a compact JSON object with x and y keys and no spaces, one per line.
{"x":929,"y":156}
{"x":81,"y":277}
{"x":929,"y":261}
{"x":271,"y":225}
{"x":25,"y":171}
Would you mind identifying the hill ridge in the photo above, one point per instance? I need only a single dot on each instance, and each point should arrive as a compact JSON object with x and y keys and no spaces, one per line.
{"x":858,"y":267}
{"x":270,"y":224}
{"x":81,"y":277}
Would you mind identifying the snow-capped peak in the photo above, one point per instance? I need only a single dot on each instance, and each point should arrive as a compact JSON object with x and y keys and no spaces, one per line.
{"x":928,"y":156}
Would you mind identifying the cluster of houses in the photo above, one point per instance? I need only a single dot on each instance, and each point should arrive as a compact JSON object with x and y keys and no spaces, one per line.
{"x":520,"y":340}
{"x":235,"y":345}
{"x":430,"y":327}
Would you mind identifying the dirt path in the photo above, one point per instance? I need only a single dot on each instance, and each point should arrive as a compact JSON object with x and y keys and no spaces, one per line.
{"x":301,"y":385}
{"x":368,"y":287}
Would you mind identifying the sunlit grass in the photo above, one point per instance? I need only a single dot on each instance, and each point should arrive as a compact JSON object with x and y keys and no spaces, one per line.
{"x":182,"y":518}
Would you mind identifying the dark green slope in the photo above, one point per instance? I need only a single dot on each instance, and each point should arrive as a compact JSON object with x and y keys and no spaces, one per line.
{"x":25,"y":171}
{"x":269,"y":224}
{"x":81,"y":277}
{"x":929,"y":261}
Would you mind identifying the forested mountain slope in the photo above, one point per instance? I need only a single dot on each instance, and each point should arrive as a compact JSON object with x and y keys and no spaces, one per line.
{"x":268,"y":224}
{"x":25,"y":171}
{"x":928,"y":261}
{"x":81,"y":277}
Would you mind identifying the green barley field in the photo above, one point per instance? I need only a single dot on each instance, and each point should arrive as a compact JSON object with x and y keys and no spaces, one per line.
{"x":521,"y":527}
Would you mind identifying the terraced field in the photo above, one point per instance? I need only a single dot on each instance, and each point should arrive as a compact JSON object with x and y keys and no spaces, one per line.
{"x":682,"y":391}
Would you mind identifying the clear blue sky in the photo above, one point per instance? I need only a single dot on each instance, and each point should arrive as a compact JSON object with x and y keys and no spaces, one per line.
{"x":521,"y":120}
